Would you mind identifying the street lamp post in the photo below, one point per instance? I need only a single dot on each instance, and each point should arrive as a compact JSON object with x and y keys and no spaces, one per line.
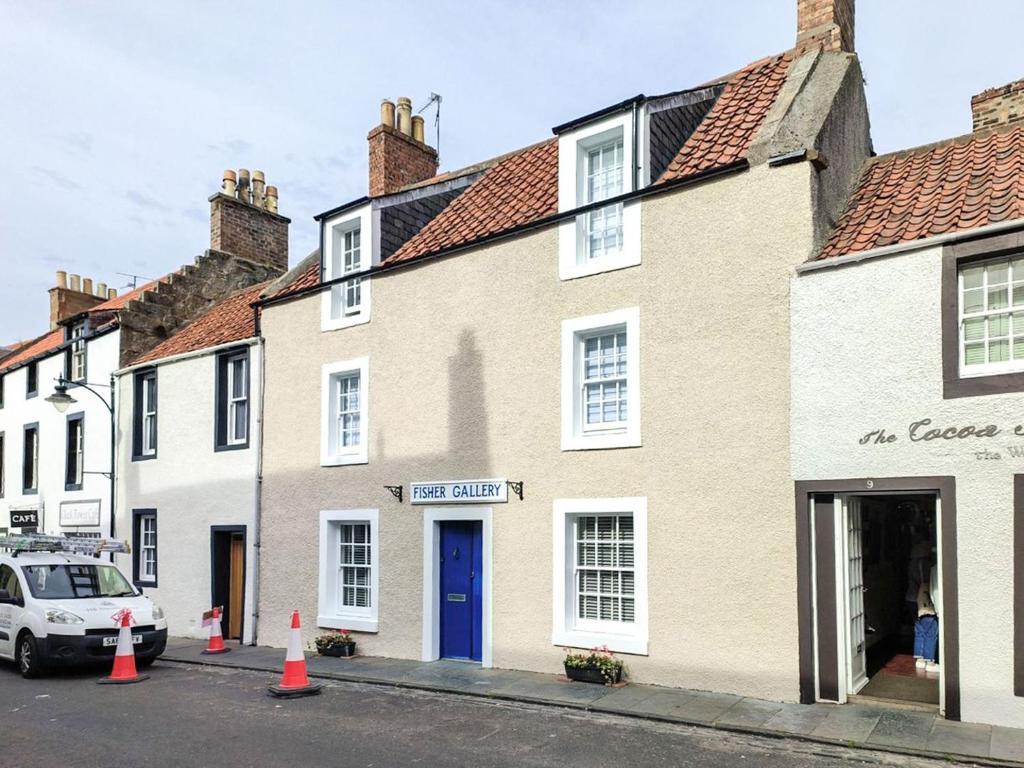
{"x":61,"y":400}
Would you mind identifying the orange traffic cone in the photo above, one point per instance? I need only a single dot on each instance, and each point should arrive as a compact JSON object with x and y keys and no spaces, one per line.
{"x":124,"y":656}
{"x":216,"y":643}
{"x":294,"y":681}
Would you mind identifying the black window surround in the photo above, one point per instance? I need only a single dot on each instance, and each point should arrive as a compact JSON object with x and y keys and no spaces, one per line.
{"x":3,"y":379}
{"x":74,"y":431}
{"x":221,"y":399}
{"x":30,"y":459}
{"x":31,"y":379}
{"x":138,"y":383}
{"x":954,"y":257}
{"x":3,"y":465}
{"x":137,"y":516}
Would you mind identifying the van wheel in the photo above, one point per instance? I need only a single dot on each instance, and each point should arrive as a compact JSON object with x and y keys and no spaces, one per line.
{"x":29,"y":663}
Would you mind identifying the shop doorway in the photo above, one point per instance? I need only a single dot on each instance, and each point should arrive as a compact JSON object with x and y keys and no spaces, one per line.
{"x":227,"y":571}
{"x":891,"y":593}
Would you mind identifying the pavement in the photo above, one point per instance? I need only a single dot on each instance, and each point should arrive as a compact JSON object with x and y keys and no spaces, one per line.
{"x":894,"y":730}
{"x":198,"y":716}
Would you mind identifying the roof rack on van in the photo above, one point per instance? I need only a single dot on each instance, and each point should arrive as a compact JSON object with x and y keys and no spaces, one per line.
{"x":80,"y":545}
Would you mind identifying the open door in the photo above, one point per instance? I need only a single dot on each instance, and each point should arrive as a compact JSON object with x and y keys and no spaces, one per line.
{"x":227,"y":570}
{"x":855,"y":589}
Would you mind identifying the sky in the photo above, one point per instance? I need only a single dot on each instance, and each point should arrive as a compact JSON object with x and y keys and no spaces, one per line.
{"x":118,"y":118}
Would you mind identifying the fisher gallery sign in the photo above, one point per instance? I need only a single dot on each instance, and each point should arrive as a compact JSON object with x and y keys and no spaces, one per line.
{"x":493,"y":491}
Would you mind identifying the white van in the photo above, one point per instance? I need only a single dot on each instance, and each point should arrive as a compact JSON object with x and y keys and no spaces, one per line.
{"x":57,"y":609}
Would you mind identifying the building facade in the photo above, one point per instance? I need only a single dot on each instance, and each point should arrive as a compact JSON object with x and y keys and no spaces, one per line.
{"x":187,"y":479}
{"x":907,"y":378}
{"x":562,"y":420}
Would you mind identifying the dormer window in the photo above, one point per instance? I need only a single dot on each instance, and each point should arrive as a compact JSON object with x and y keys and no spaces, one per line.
{"x":76,"y":359}
{"x":596,"y":163}
{"x":348,"y":251}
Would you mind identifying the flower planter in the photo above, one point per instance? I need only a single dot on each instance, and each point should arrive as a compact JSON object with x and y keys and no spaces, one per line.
{"x":592,"y":675}
{"x":343,"y":650}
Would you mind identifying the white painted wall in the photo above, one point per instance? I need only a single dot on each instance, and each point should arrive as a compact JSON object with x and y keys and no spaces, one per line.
{"x":101,"y":361}
{"x":192,"y":487}
{"x":866,"y":354}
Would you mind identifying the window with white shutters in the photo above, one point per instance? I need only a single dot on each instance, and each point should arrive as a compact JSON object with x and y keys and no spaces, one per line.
{"x":356,"y":564}
{"x":604,"y":576}
{"x":349,"y":563}
{"x":348,"y":256}
{"x":600,"y":573}
{"x":991,"y":303}
{"x":347,"y":260}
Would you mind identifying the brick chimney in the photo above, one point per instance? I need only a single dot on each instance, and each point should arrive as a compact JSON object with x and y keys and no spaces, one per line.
{"x":69,"y":298}
{"x":398,"y":153}
{"x":828,"y":23}
{"x":244,"y":220}
{"x":998,"y":106}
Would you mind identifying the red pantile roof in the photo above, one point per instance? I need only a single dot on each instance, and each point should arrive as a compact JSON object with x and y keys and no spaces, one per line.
{"x":230,"y":320}
{"x":45,"y":343}
{"x":518,"y":190}
{"x":959,"y":184}
{"x":726,"y":133}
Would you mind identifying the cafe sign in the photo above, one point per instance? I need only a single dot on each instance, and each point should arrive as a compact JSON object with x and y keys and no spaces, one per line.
{"x":494,"y":491}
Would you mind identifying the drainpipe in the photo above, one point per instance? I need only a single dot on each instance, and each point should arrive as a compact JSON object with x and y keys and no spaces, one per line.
{"x":258,"y":505}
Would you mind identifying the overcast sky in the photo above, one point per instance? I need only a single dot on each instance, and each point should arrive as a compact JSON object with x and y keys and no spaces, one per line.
{"x":117,"y":119}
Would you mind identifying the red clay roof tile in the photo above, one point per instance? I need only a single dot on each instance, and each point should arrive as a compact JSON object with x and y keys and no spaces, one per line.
{"x":960,"y":184}
{"x":45,"y":343}
{"x":230,"y":320}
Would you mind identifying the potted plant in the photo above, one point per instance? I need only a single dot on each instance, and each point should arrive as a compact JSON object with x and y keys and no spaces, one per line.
{"x":598,"y":665}
{"x":337,"y":643}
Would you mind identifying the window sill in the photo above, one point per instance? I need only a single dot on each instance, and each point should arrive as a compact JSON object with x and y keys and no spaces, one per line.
{"x":598,"y":266}
{"x":597,"y":442}
{"x":73,"y":486}
{"x":344,"y":460}
{"x":360,"y":624}
{"x":149,"y":457}
{"x":618,"y":643}
{"x":231,"y":447}
{"x":345,"y":322}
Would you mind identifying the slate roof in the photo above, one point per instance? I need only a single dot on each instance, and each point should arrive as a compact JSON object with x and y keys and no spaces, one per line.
{"x":959,"y":184}
{"x":230,"y":320}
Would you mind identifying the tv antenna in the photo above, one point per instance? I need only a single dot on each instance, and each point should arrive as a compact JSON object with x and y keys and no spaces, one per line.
{"x":435,"y":99}
{"x":134,"y":279}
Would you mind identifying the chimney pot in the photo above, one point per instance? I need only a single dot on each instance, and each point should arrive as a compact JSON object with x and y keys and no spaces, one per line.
{"x":405,"y":115}
{"x":111,"y":293}
{"x":87,"y":285}
{"x":62,"y":279}
{"x":387,"y":113}
{"x":101,"y":290}
{"x":417,"y":129}
{"x":243,"y":186}
{"x":258,"y":189}
{"x":272,"y":199}
{"x":76,"y":283}
{"x":230,"y":183}
{"x":828,"y":23}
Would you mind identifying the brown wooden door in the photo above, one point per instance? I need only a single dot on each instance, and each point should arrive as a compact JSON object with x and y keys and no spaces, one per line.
{"x":237,"y":587}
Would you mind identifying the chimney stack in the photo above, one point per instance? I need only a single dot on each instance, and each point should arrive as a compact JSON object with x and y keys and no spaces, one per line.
{"x":398,"y":153}
{"x":998,"y":107}
{"x":244,"y":220}
{"x":70,"y":298}
{"x":825,"y":23}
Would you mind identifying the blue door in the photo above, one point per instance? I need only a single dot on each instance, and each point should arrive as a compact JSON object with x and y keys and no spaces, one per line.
{"x":461,"y":595}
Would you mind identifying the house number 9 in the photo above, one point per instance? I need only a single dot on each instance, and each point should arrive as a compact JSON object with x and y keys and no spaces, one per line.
{"x":870,"y":483}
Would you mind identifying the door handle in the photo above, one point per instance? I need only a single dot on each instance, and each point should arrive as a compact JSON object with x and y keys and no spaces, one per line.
{"x":863,"y":589}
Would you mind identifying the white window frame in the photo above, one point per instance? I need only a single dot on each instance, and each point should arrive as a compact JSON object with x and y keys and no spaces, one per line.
{"x":573,"y":148}
{"x":149,"y":415}
{"x":334,"y":235}
{"x":330,"y":614}
{"x":987,"y":368}
{"x":78,"y":370}
{"x":331,"y":454}
{"x":234,"y":398}
{"x":575,"y":437}
{"x":145,"y":575}
{"x":566,"y":630}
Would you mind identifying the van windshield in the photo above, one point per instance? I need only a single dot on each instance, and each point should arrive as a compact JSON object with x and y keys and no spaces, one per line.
{"x":63,"y":582}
